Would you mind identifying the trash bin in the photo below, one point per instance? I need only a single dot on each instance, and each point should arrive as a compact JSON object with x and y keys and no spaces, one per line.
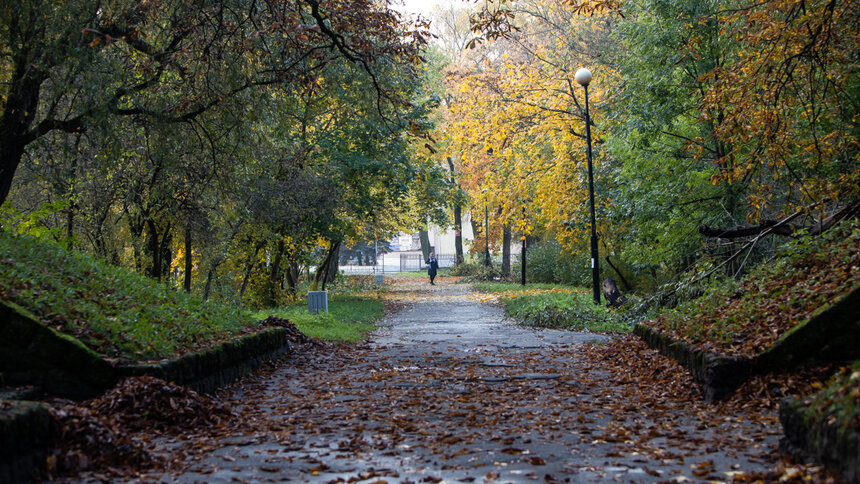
{"x":317,"y":301}
{"x":380,"y":279}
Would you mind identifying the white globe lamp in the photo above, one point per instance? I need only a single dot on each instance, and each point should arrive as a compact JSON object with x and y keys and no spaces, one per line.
{"x":583,"y":76}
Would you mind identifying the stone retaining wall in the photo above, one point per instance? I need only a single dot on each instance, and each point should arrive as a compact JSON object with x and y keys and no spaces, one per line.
{"x":831,"y":334}
{"x":34,"y":354}
{"x":25,"y":437}
{"x":212,"y":368}
{"x":717,"y":376}
{"x":811,"y":436}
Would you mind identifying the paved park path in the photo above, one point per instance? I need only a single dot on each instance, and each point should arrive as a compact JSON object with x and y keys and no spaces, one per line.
{"x":446,"y":390}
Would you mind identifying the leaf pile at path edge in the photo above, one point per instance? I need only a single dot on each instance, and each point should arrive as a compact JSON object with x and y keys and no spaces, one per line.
{"x":108,"y":432}
{"x":294,"y":335}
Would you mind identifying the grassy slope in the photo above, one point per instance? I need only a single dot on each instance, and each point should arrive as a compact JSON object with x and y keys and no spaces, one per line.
{"x":747,"y":318}
{"x":113,"y":311}
{"x":839,"y":400}
{"x":123,"y":315}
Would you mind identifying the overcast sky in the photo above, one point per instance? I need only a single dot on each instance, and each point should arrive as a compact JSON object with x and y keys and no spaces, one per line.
{"x":423,"y":6}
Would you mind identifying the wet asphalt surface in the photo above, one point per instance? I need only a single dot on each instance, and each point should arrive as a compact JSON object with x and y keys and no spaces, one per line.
{"x":447,"y":390}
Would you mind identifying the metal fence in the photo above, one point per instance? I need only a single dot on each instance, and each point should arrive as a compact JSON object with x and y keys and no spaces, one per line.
{"x":394,"y":262}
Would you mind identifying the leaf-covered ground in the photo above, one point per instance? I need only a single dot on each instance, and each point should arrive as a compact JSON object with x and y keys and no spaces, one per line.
{"x":482,"y":404}
{"x":745,"y":320}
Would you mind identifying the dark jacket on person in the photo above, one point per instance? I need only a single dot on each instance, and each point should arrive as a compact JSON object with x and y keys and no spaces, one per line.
{"x":432,"y":266}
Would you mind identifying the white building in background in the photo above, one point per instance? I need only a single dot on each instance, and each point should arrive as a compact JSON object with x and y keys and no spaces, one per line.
{"x":441,"y":239}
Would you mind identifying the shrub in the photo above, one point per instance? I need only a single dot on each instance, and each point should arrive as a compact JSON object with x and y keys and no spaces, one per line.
{"x":548,"y":262}
{"x":573,"y":310}
{"x":474,"y":270}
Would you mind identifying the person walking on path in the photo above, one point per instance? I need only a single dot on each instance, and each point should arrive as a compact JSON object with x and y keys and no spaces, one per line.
{"x":432,"y":267}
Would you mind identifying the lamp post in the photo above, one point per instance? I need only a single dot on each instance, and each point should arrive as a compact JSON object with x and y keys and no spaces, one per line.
{"x":523,"y":252}
{"x":486,"y":230}
{"x":583,"y":77}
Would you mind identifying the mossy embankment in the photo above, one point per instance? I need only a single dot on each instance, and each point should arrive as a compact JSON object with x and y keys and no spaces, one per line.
{"x":116,"y":313}
{"x":72,"y":325}
{"x":745,"y":319}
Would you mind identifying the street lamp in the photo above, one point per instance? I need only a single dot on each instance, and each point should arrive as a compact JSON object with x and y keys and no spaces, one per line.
{"x":486,"y":229}
{"x":523,"y":251}
{"x":583,"y":77}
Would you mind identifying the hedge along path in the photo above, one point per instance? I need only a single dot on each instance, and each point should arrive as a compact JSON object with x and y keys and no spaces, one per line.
{"x":447,"y":390}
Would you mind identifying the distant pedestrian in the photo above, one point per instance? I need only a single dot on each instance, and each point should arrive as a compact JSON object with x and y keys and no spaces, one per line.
{"x":432,"y":267}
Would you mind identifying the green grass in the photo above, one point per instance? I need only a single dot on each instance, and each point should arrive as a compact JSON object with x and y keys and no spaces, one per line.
{"x":555,"y":306}
{"x":123,"y":315}
{"x":496,"y":287}
{"x":115,"y":312}
{"x":349,"y":320}
{"x":423,"y":274}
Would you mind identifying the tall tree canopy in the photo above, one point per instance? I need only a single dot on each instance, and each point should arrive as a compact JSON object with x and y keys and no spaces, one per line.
{"x":216,"y":134}
{"x":705,"y":114}
{"x":70,"y":65}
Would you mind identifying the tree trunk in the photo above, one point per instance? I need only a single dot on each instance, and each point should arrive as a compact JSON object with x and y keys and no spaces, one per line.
{"x":252,"y":262}
{"x":70,"y":225}
{"x":475,"y":223}
{"x":292,"y":276}
{"x":19,"y":111}
{"x":274,"y":276}
{"x":620,"y":276}
{"x":188,"y":262}
{"x":333,"y":266}
{"x":70,"y":194}
{"x":11,"y":151}
{"x":152,"y":247}
{"x":165,"y":256}
{"x":158,"y":246}
{"x":210,"y":276}
{"x":782,"y":227}
{"x":97,"y":232}
{"x":424,"y":237}
{"x":477,"y":230}
{"x":506,"y":250}
{"x":322,"y":274}
{"x":458,"y":220}
{"x":294,"y":271}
